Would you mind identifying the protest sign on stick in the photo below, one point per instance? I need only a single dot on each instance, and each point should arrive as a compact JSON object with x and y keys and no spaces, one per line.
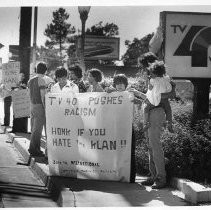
{"x":89,"y":135}
{"x":10,"y":74}
{"x":21,"y":103}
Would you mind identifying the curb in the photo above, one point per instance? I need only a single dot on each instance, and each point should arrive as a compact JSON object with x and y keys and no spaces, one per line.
{"x":193,"y":192}
{"x":66,"y":198}
{"x":62,"y":195}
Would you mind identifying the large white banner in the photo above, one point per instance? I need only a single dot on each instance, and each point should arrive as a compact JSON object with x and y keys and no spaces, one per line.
{"x":187,"y":44}
{"x":89,"y":135}
{"x":10,"y":74}
{"x":21,"y":103}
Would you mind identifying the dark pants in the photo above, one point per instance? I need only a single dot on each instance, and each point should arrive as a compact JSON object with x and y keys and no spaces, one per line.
{"x":37,"y":124}
{"x":163,"y":103}
{"x":7,"y":105}
{"x":20,"y":125}
{"x":133,"y":158}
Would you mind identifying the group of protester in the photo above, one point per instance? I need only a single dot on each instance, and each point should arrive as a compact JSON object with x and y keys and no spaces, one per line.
{"x":156,"y":107}
{"x":18,"y":124}
{"x":67,"y":81}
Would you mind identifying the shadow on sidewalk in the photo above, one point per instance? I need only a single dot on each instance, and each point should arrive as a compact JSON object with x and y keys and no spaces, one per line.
{"x":134,"y":194}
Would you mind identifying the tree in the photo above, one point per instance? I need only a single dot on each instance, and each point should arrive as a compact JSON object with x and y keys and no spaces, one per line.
{"x":135,"y":49}
{"x":108,"y":29}
{"x":58,"y":30}
{"x":51,"y":57}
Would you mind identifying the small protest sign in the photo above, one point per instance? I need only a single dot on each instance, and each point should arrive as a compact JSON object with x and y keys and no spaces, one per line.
{"x":10,"y":74}
{"x":21,"y":103}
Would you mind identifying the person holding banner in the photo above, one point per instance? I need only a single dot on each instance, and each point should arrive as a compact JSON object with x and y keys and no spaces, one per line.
{"x":37,"y":91}
{"x":120,"y":83}
{"x":94,"y":77}
{"x":76,"y":77}
{"x":63,"y":85}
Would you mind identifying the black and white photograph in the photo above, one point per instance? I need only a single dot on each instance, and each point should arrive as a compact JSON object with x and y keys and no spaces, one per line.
{"x":81,"y":123}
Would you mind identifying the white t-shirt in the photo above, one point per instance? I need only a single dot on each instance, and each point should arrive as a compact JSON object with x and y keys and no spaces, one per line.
{"x":48,"y":80}
{"x":69,"y":87}
{"x":160,"y":85}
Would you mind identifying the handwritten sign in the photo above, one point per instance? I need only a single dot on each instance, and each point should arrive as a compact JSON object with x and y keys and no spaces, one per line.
{"x":10,"y":74}
{"x":21,"y":103}
{"x":89,"y":135}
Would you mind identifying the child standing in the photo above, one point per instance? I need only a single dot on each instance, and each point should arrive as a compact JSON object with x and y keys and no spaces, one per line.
{"x":120,"y":83}
{"x":159,"y":83}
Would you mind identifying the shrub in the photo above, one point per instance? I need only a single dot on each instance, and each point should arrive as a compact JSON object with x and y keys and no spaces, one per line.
{"x":188,"y":150}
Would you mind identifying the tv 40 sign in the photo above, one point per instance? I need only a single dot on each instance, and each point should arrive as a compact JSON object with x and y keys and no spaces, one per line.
{"x":187,"y":44}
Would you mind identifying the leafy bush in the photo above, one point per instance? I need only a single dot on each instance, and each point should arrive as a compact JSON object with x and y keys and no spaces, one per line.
{"x":188,"y":150}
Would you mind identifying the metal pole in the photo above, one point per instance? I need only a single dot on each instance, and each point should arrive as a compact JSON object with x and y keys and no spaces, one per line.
{"x":83,"y":10}
{"x":34,"y":39}
{"x":83,"y":21}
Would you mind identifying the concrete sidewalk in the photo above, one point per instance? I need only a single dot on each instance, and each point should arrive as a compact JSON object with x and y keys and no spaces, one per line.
{"x":19,"y":186}
{"x":92,"y":193}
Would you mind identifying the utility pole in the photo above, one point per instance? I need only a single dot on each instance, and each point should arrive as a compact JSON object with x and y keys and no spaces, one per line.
{"x":25,"y":41}
{"x":35,"y":38}
{"x":83,"y":11}
{"x":21,"y":124}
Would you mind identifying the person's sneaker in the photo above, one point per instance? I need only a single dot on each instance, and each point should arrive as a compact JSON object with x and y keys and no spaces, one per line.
{"x":148,"y":182}
{"x":159,"y":185}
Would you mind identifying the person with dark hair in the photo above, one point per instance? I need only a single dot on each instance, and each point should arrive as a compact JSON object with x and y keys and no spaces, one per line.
{"x":120,"y":82}
{"x":94,"y":77}
{"x":76,"y":76}
{"x":144,"y":62}
{"x":146,"y":59}
{"x":37,"y":91}
{"x":153,"y":134}
{"x":159,"y":83}
{"x":63,"y":84}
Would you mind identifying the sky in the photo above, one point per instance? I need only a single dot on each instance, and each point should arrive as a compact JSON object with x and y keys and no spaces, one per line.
{"x":134,"y":20}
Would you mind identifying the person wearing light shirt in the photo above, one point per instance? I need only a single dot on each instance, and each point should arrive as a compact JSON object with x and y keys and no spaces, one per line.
{"x":63,"y":85}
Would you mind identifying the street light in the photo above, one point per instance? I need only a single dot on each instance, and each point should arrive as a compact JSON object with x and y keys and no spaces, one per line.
{"x":83,"y":11}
